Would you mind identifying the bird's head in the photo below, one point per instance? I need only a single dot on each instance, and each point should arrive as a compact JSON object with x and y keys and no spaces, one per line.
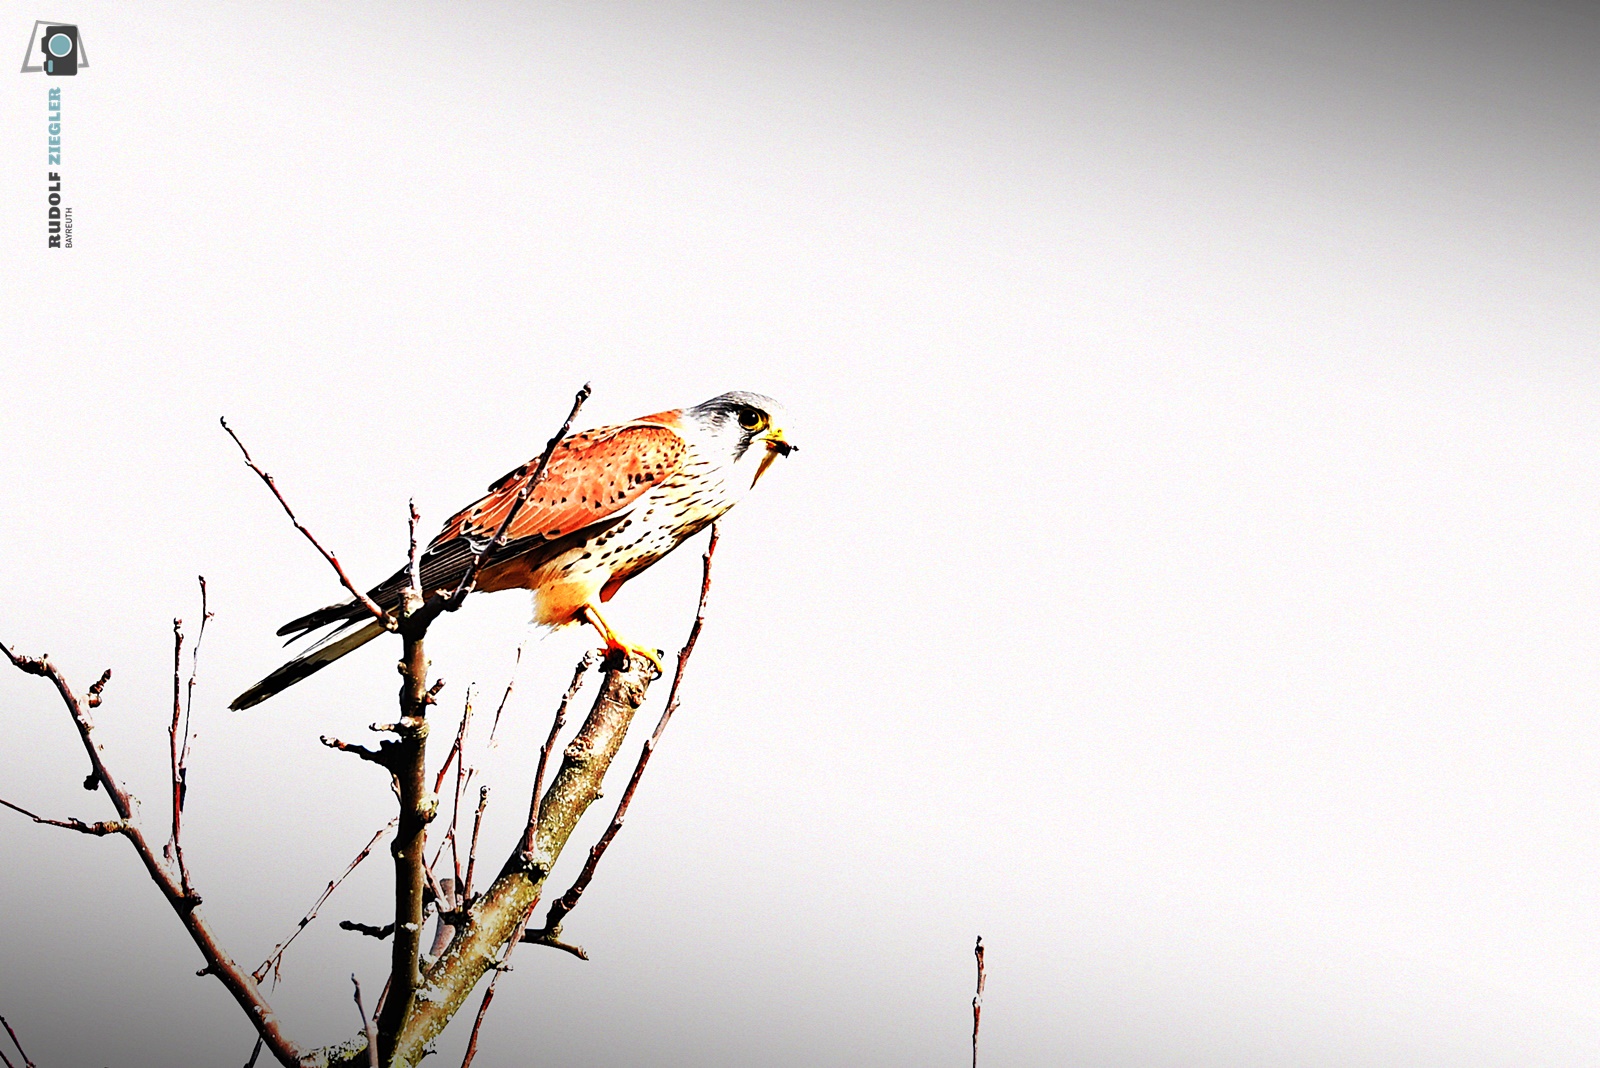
{"x":747,"y":428}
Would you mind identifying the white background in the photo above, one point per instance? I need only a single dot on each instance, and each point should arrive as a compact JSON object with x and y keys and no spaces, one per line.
{"x":1188,"y":580}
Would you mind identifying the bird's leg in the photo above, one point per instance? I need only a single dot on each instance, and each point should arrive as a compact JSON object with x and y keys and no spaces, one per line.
{"x":591,"y":615}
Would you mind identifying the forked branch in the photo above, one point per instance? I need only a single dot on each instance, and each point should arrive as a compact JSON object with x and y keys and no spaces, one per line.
{"x":333,"y":561}
{"x":183,"y":899}
{"x":569,"y":900}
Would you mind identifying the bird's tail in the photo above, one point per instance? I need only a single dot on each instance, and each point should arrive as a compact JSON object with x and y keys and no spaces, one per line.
{"x":309,"y":663}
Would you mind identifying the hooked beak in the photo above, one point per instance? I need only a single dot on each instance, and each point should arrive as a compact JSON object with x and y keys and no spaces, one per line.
{"x":776,"y":447}
{"x":775,"y":442}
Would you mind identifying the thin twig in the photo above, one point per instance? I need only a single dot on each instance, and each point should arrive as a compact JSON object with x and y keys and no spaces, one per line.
{"x":275,"y":958}
{"x":560,"y":720}
{"x":361,"y":598}
{"x":472,"y":851}
{"x":414,"y":517}
{"x":188,"y":706}
{"x":545,"y":938}
{"x":367,"y":929}
{"x":366,"y":1024}
{"x":26,"y":1060}
{"x":569,"y":900}
{"x":455,"y":747}
{"x":488,"y":993}
{"x":98,"y":829}
{"x":461,"y":773}
{"x":977,"y":1001}
{"x":96,"y":691}
{"x":467,"y":580}
{"x":377,"y":756}
{"x":184,"y":901}
{"x":511,"y":682}
{"x":175,"y":845}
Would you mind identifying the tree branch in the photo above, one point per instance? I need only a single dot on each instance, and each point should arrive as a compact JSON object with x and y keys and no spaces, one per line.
{"x":472,"y":851}
{"x":175,"y":845}
{"x":569,"y":900}
{"x":977,"y":1001}
{"x":361,"y":598}
{"x":417,"y":808}
{"x":184,"y":901}
{"x":531,"y":831}
{"x":545,"y":938}
{"x":26,"y":1060}
{"x":98,"y":829}
{"x":499,"y":916}
{"x":471,"y":577}
{"x":367,"y":929}
{"x":461,"y":782}
{"x":366,"y":1024}
{"x":275,"y":958}
{"x":510,"y":683}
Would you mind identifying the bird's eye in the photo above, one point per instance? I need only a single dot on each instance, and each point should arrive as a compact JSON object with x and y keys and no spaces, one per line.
{"x":752,"y":420}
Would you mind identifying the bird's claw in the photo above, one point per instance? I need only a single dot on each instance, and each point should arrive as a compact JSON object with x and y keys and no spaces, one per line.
{"x":627,"y":649}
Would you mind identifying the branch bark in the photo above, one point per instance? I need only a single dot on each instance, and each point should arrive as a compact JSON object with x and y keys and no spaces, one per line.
{"x":408,"y":757}
{"x":492,"y":922}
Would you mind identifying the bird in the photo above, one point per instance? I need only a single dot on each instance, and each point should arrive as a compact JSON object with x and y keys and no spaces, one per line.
{"x":611,"y":502}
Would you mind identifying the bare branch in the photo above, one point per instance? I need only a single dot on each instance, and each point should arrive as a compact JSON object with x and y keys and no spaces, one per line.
{"x":548,"y":938}
{"x":511,"y":682}
{"x":367,"y":929}
{"x":97,"y":829}
{"x":174,"y":847}
{"x":26,"y":1060}
{"x":461,"y":773}
{"x":97,"y":690}
{"x":977,"y":1001}
{"x":366,"y":1024}
{"x":569,"y":900}
{"x":275,"y":958}
{"x":503,"y":965}
{"x":413,"y":519}
{"x":500,"y":914}
{"x":472,"y":851}
{"x":377,"y":756}
{"x":194,"y":672}
{"x":447,"y":914}
{"x":535,"y":806}
{"x":471,"y":577}
{"x":183,"y":900}
{"x":361,"y":598}
{"x":408,"y":756}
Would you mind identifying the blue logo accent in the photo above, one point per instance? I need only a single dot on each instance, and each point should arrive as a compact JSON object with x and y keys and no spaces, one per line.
{"x":60,"y":44}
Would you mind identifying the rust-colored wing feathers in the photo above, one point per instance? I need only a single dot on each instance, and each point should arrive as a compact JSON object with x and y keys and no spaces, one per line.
{"x":592,"y":475}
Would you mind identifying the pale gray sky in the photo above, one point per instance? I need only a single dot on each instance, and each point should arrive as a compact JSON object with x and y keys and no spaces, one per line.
{"x":1188,"y":580}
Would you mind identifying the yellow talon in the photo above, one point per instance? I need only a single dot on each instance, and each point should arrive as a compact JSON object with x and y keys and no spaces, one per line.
{"x":614,"y":641}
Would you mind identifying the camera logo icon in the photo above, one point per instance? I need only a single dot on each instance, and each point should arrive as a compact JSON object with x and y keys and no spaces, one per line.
{"x":54,"y":48}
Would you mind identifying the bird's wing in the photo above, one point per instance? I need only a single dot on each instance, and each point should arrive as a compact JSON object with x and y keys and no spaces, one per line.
{"x":593,"y":475}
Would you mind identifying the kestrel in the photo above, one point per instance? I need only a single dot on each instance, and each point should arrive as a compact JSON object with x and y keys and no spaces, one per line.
{"x":612,"y":501}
